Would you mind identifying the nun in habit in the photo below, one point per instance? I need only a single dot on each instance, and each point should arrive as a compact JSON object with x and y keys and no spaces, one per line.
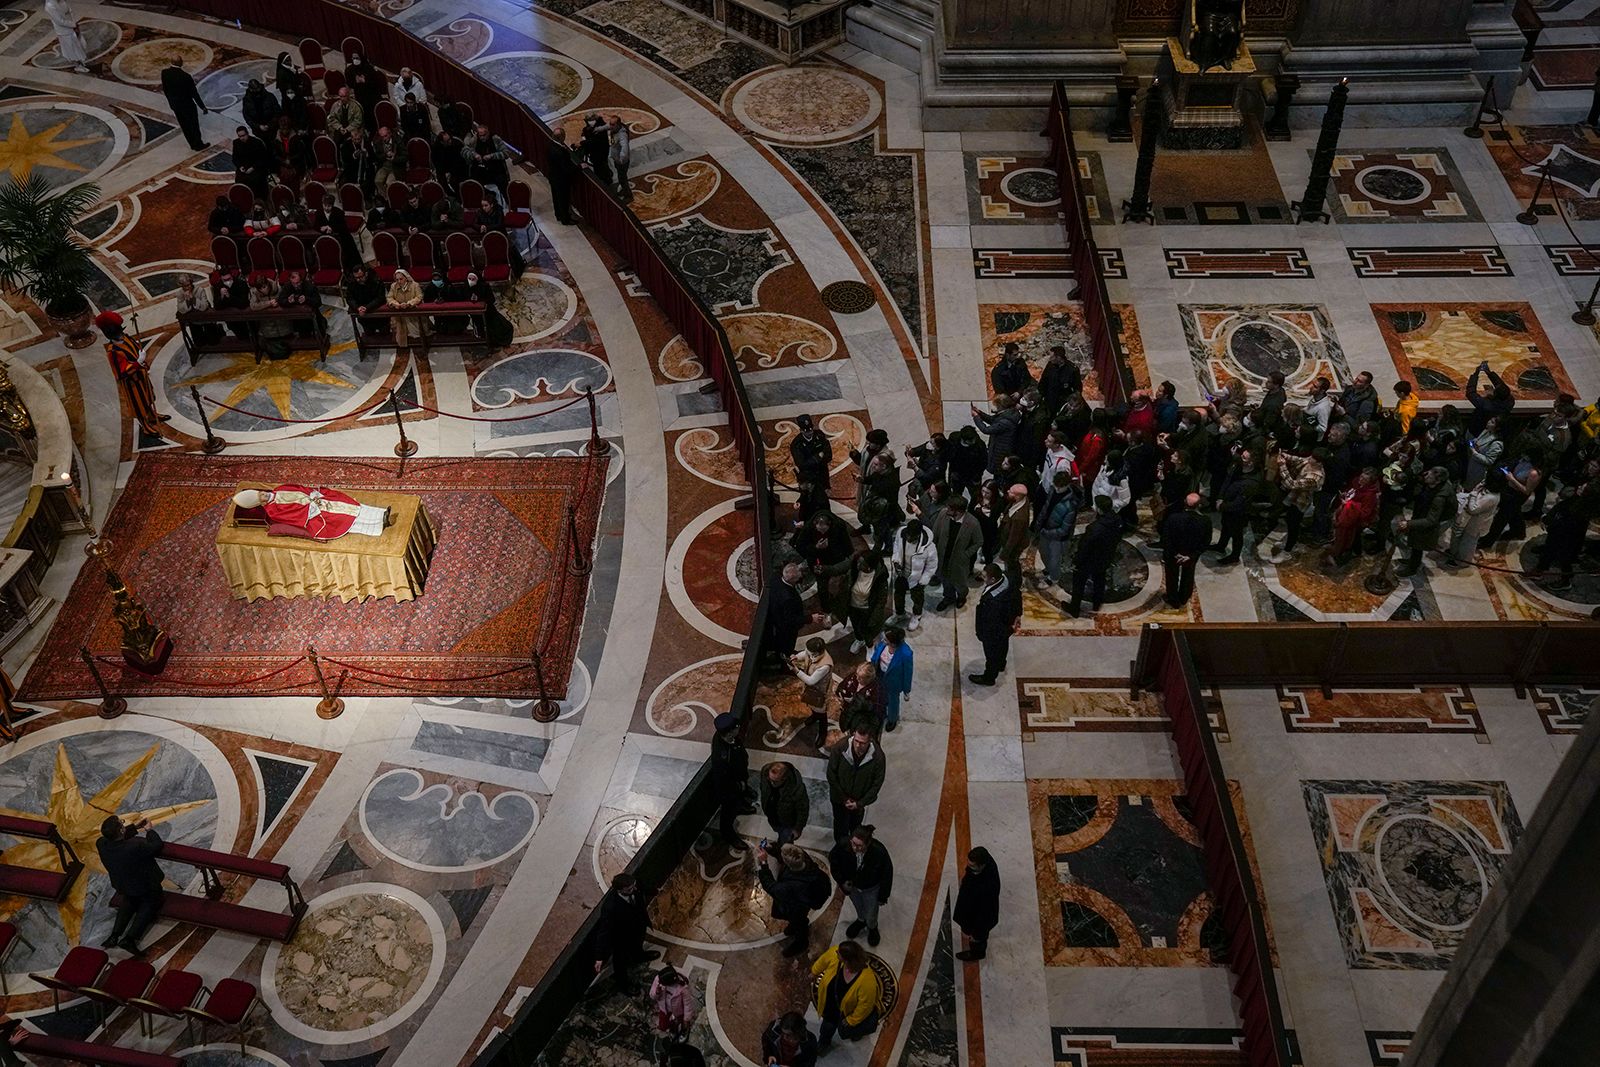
{"x":404,"y":292}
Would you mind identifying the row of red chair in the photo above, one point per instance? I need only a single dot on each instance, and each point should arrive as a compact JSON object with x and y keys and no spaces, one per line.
{"x":284,"y":254}
{"x":132,"y":983}
{"x":325,"y":159}
{"x":354,"y":203}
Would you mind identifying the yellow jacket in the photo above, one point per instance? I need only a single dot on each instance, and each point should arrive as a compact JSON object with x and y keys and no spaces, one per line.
{"x":1407,"y":410}
{"x":860,"y":1000}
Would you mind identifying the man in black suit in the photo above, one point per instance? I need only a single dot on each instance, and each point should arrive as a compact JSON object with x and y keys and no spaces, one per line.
{"x":1097,"y":550}
{"x":619,"y":935}
{"x":183,"y":96}
{"x":1185,"y":533}
{"x":128,"y":854}
{"x":786,"y":615}
{"x":999,"y":613}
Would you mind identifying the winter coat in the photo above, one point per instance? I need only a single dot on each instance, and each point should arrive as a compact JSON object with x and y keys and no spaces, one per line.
{"x":730,"y":770}
{"x":1432,"y":513}
{"x":855,"y":779}
{"x":1097,"y":548}
{"x":1059,"y":516}
{"x":859,"y":1001}
{"x":872,"y":869}
{"x":896,"y":681}
{"x":1002,"y":428}
{"x":998,"y":610}
{"x":958,"y":549}
{"x":787,"y":805}
{"x":793,"y":889}
{"x":977,"y":908}
{"x":916,"y":562}
{"x":772,"y":1047}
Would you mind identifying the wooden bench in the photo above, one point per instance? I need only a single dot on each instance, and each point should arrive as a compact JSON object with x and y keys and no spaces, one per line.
{"x":211,"y":910}
{"x":32,"y":881}
{"x":91,"y":1052}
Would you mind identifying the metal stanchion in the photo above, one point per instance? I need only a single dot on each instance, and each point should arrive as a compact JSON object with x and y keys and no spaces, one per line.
{"x":214,"y":444}
{"x":1486,"y":110}
{"x":1584,"y":316}
{"x":331,"y":706}
{"x":598,"y":446}
{"x":544,"y":709}
{"x":110,"y":705}
{"x":579,"y":561}
{"x":405,"y":447}
{"x":1529,"y":217}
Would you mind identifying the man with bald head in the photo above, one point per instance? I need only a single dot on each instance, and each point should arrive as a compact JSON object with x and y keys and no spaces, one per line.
{"x":1185,"y":533}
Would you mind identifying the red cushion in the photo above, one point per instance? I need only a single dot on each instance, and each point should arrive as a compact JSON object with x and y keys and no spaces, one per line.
{"x":496,"y":272}
{"x":175,"y":990}
{"x":8,"y":934}
{"x":23,"y":827}
{"x":129,"y":978}
{"x":283,"y":529}
{"x":82,"y":966}
{"x":230,"y":1000}
{"x":324,"y":278}
{"x":93,"y":1052}
{"x":32,"y":882}
{"x":516,"y":220}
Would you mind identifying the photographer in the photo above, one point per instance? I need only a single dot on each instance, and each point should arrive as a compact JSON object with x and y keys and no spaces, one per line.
{"x":128,"y":854}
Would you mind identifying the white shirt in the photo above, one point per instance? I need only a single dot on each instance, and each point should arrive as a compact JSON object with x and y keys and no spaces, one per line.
{"x":397,"y":91}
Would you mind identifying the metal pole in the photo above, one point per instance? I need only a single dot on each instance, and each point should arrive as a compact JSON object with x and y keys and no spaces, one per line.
{"x":1528,"y":217}
{"x":544,"y":709}
{"x":405,"y":447}
{"x":214,"y":444}
{"x":579,"y":561}
{"x":1487,"y":109}
{"x":110,"y":705}
{"x":598,"y":446}
{"x":330,"y":706}
{"x":1584,"y":316}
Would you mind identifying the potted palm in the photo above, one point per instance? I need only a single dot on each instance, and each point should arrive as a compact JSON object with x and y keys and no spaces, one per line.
{"x":43,"y":256}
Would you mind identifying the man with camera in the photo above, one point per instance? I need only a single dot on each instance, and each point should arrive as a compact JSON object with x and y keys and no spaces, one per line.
{"x":128,"y":854}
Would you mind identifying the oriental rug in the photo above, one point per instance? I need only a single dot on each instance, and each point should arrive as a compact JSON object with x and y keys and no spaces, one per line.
{"x":498,"y":588}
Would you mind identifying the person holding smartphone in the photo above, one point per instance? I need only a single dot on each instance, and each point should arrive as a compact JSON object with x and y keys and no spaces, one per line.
{"x":128,"y":853}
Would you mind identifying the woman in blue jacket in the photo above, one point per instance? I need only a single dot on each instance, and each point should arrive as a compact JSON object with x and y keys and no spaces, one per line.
{"x":893,"y":661}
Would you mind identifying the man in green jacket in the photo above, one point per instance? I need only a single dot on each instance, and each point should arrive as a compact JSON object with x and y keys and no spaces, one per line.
{"x":784,"y":801}
{"x":855,"y":774}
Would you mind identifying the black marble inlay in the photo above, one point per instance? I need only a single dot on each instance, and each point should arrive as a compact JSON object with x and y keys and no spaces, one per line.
{"x":931,"y":1041}
{"x":1537,"y":378}
{"x":1406,"y":321}
{"x":1393,"y":184}
{"x":1431,"y":871}
{"x":1262,"y":348}
{"x":279,"y":781}
{"x":1085,"y":928}
{"x":1010,"y":321}
{"x":1034,"y":186}
{"x":96,"y":223}
{"x":466,"y":903}
{"x":1070,"y":814}
{"x":344,"y":861}
{"x":1430,"y":380}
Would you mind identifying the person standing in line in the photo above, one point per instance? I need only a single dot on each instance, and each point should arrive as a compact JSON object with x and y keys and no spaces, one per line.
{"x":814,"y":668}
{"x":1097,"y":551}
{"x":69,"y":38}
{"x":619,"y":933}
{"x":863,"y":869}
{"x":847,"y":994}
{"x":914,"y":561}
{"x":894,"y":665}
{"x":1185,"y":533}
{"x":1057,"y":519}
{"x":1015,"y":523}
{"x":730,"y":778}
{"x":621,"y":155}
{"x":788,"y":1042}
{"x":128,"y":855}
{"x":183,"y":96}
{"x":958,"y":540}
{"x":675,"y":1006}
{"x":999,"y":615}
{"x":855,"y":777}
{"x":784,"y":801}
{"x":797,"y":888}
{"x":977,"y":909}
{"x":866,"y":593}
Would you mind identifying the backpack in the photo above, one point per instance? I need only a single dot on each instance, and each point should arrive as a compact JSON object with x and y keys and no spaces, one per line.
{"x":818,"y":888}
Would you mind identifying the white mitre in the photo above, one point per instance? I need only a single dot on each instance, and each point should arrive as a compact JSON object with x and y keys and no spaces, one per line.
{"x":248,"y":498}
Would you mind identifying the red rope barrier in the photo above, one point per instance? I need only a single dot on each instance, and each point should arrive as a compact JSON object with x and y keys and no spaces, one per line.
{"x":218,"y":685}
{"x":303,"y":422}
{"x":514,"y":418}
{"x":357,"y":669}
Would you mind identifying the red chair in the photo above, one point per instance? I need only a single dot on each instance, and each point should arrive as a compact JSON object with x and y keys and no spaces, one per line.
{"x":520,"y":197}
{"x":291,"y":257}
{"x":354,"y":205}
{"x":352,"y":47}
{"x":397,"y":194}
{"x":430,"y":194}
{"x":386,"y":253}
{"x":9,"y":936}
{"x":316,"y":117}
{"x":225,"y":250}
{"x":330,"y":262}
{"x":497,"y":257}
{"x":125,"y":980}
{"x":230,"y":1004}
{"x":311,"y":58}
{"x":324,"y":159}
{"x":332,"y":82}
{"x":263,"y":259}
{"x":419,"y":160}
{"x":174,"y":992}
{"x":471,"y":198}
{"x":311,"y":194}
{"x":240,"y":196}
{"x":419,"y":253}
{"x":386,"y":114}
{"x":458,"y":250}
{"x":82,"y":966}
{"x":464,"y":109}
{"x":282,"y":198}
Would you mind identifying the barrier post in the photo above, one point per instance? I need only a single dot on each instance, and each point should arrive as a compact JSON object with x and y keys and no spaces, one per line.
{"x":110,"y":705}
{"x":598,"y":446}
{"x":405,"y":447}
{"x":1528,"y":217}
{"x":1584,"y":316}
{"x":579,"y":562}
{"x":1486,"y":109}
{"x":214,"y":444}
{"x":544,"y":709}
{"x":330,"y":706}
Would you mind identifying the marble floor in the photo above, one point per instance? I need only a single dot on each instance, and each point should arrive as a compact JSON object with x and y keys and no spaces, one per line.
{"x":449,"y":845}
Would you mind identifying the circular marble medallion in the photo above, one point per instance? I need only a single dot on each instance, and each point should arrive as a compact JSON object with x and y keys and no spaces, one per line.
{"x":1033,"y":186}
{"x":142,"y":63}
{"x":1130,"y":573}
{"x":224,"y":88}
{"x":63,"y":143}
{"x":806,"y":104}
{"x":1431,"y":871}
{"x":847,"y":298}
{"x":432,"y":827}
{"x":365,"y":957}
{"x":538,"y":305}
{"x":99,"y":37}
{"x":1261,"y":348}
{"x":550,"y":84}
{"x":1393,"y":185}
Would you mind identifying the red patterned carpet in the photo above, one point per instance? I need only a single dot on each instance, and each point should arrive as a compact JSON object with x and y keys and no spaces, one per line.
{"x":498,"y":584}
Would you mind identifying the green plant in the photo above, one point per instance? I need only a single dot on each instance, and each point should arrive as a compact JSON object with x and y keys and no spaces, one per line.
{"x":41,"y":253}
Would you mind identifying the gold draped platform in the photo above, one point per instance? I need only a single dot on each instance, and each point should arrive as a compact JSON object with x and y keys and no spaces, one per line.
{"x":352,"y":567}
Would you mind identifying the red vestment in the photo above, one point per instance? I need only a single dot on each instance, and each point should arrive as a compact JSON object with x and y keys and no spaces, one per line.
{"x":323,"y":513}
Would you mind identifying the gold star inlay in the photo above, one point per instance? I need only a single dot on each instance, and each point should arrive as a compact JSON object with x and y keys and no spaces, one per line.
{"x":78,"y":820}
{"x":276,"y":376}
{"x":21,"y":151}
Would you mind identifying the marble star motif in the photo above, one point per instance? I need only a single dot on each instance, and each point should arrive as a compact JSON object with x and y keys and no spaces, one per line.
{"x":23,"y":150}
{"x":78,"y":820}
{"x":275,"y":376}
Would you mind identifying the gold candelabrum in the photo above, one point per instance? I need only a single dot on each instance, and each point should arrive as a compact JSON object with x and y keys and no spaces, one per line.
{"x":13,"y":412}
{"x":143,"y":641}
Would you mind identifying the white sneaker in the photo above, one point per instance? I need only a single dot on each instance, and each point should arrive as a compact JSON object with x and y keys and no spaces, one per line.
{"x":857,"y":646}
{"x":915,"y":623}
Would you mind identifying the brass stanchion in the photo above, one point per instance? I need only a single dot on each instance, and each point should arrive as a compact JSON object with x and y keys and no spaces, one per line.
{"x":579,"y":562}
{"x":406,"y":447}
{"x":544,"y":709}
{"x":214,"y":444}
{"x":598,"y":446}
{"x":330,"y":706}
{"x":110,"y":705}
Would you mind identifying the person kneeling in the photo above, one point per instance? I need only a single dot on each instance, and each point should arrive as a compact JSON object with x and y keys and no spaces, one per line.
{"x":847,"y":994}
